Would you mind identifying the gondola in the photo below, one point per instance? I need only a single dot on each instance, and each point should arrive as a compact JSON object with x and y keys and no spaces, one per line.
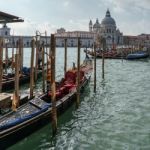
{"x":137,"y":55}
{"x":8,"y":80}
{"x":37,"y":111}
{"x":111,"y":54}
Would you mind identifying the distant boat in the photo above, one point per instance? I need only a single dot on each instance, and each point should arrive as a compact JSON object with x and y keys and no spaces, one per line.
{"x":8,"y":79}
{"x":112,"y":54}
{"x":137,"y":55}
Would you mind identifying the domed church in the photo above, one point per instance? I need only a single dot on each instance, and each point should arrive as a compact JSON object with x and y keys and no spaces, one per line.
{"x":107,"y":28}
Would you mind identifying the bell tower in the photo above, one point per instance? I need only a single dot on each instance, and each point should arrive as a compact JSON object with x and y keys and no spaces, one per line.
{"x":90,"y":26}
{"x":4,"y":31}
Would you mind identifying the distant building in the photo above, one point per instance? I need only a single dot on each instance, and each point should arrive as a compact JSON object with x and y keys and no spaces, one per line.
{"x":107,"y":29}
{"x":85,"y":37}
{"x":4,"y":31}
{"x":142,"y":40}
{"x":61,"y":30}
{"x":12,"y":39}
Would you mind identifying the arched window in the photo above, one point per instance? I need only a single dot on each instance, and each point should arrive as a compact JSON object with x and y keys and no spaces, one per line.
{"x":6,"y":33}
{"x":27,"y":43}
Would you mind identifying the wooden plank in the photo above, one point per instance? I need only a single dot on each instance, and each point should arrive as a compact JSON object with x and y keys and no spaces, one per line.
{"x":5,"y":100}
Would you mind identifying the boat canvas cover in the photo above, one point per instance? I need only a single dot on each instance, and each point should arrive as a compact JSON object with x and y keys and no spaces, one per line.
{"x":27,"y":111}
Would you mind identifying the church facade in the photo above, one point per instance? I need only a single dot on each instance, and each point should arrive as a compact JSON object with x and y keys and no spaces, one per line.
{"x":107,"y":29}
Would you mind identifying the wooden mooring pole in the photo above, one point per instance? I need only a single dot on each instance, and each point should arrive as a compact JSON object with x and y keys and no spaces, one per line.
{"x":78,"y":75}
{"x":53,"y":86}
{"x":103,"y":61}
{"x":6,"y":56}
{"x":65,"y":57}
{"x":21,"y":54}
{"x":43,"y":68}
{"x":46,"y":45}
{"x":32,"y":68}
{"x":94,"y":67}
{"x":1,"y":63}
{"x":12,"y":64}
{"x":37,"y":57}
{"x":15,"y":101}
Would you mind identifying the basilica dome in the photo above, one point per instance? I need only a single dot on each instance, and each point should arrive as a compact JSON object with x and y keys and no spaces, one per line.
{"x":108,"y":20}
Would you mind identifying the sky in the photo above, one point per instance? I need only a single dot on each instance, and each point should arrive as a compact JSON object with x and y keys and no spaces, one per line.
{"x":132,"y":16}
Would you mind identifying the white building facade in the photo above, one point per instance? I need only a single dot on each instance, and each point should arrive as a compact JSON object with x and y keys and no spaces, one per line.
{"x":86,"y":38}
{"x":107,"y":29}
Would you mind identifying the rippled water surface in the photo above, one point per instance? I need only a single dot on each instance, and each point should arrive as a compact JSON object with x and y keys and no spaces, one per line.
{"x":116,"y":117}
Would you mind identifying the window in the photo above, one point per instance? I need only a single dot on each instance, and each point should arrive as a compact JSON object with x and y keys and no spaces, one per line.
{"x":71,"y":43}
{"x":27,"y":43}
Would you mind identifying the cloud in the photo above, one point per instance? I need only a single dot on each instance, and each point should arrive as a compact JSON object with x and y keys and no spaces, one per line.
{"x":78,"y":24}
{"x":75,"y":14}
{"x":66,"y":3}
{"x":29,"y":28}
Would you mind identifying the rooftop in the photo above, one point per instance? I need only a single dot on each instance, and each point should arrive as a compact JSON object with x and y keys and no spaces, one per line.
{"x":8,"y":18}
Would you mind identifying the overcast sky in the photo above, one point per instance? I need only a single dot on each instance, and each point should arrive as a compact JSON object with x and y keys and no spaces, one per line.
{"x":132,"y":16}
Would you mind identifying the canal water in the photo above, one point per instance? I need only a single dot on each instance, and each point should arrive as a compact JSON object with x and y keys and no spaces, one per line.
{"x":116,"y":117}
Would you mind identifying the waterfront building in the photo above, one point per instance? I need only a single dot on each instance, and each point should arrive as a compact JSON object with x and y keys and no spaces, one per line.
{"x":107,"y":29}
{"x":12,"y":39}
{"x":85,"y":37}
{"x":139,"y":41}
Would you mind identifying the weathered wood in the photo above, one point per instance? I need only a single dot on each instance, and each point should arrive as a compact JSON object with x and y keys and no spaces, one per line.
{"x":6,"y":57}
{"x":48,"y":67}
{"x":46,"y":45}
{"x":32,"y":68}
{"x":103,"y":65}
{"x":1,"y":63}
{"x":37,"y":57}
{"x":94,"y":67}
{"x":15,"y":102}
{"x":21,"y":53}
{"x":53,"y":86}
{"x":5,"y":100}
{"x":103,"y":61}
{"x":12,"y":64}
{"x":65,"y":58}
{"x":78,"y":75}
{"x":43,"y":68}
